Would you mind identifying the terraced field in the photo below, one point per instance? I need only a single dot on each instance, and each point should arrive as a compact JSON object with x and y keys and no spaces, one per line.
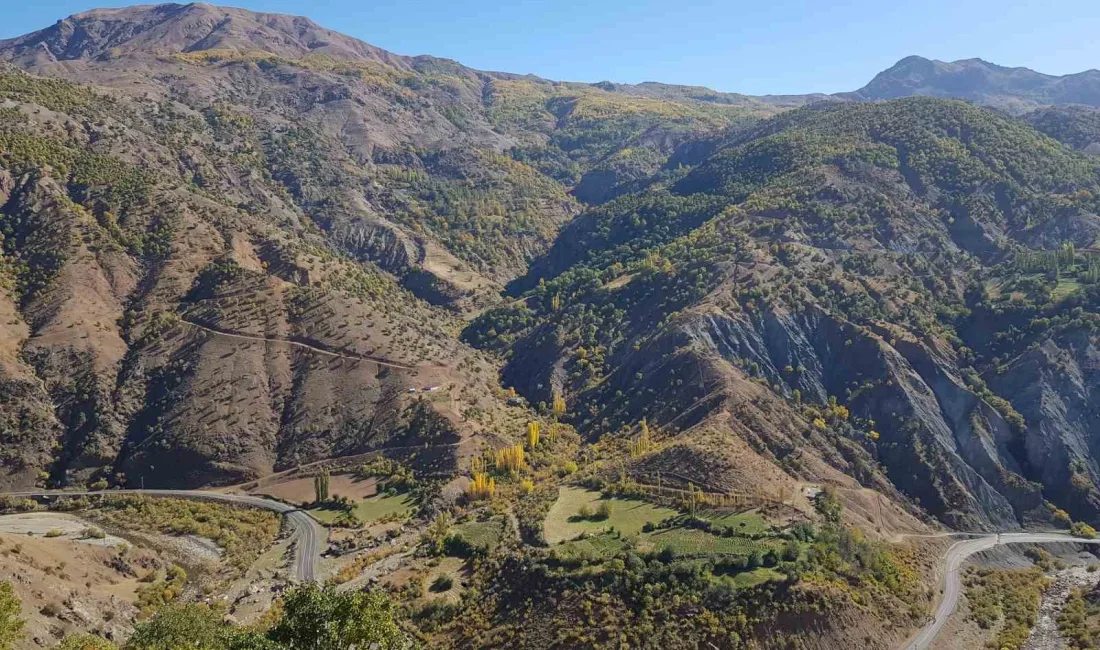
{"x":482,"y":534}
{"x":685,"y":541}
{"x":599,"y":546}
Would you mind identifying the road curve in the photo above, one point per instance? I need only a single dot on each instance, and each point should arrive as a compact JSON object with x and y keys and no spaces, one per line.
{"x":956,"y":555}
{"x":306,"y":533}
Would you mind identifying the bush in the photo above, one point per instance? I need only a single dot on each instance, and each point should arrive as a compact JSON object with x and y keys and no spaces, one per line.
{"x":86,"y":642}
{"x":1083,"y":530}
{"x":443,"y":582}
{"x":54,"y":532}
{"x":92,"y":532}
{"x":603,"y":511}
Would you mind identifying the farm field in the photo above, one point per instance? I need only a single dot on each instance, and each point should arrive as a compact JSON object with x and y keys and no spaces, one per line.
{"x":370,"y":509}
{"x":300,"y":490}
{"x":749,"y":522}
{"x":628,"y":516}
{"x":686,"y":541}
{"x":483,"y":534}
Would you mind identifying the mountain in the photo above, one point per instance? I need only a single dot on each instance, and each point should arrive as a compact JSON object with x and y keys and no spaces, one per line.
{"x":1076,"y":126}
{"x":237,"y":243}
{"x":1015,"y":90}
{"x":850,"y":254}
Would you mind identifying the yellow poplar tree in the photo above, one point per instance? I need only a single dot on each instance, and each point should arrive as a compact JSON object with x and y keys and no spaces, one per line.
{"x":558,"y":405}
{"x":532,"y":434}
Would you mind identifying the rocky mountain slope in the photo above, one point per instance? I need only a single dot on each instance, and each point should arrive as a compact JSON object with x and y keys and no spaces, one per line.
{"x":851,"y":277}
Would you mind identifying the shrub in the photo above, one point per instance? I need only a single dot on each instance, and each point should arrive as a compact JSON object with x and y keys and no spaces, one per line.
{"x":54,"y":532}
{"x":92,"y":532}
{"x":86,"y":642}
{"x":603,"y":511}
{"x":1083,"y":530}
{"x":443,"y":582}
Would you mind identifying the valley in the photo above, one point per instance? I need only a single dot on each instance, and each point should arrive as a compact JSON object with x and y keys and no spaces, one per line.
{"x":443,"y":357}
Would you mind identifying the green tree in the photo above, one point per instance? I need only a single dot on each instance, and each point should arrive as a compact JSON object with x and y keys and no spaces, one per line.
{"x":176,"y":626}
{"x":11,"y":626}
{"x":320,"y":486}
{"x":86,"y":642}
{"x":319,"y":618}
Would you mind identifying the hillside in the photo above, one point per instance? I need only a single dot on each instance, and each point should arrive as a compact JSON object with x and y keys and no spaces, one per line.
{"x":262,"y":177}
{"x":862,"y":256}
{"x":670,"y":365}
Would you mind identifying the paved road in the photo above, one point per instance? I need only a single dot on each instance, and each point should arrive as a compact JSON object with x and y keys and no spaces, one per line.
{"x":306,"y":533}
{"x":956,"y":555}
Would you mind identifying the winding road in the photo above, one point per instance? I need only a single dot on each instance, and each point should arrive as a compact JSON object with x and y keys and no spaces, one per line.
{"x":306,"y":534}
{"x":956,"y":555}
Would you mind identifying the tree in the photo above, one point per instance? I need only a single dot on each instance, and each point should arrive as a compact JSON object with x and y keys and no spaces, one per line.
{"x":558,"y":407}
{"x":320,"y":486}
{"x":532,"y":434}
{"x":11,"y":626}
{"x":86,"y":642}
{"x":191,"y":625}
{"x":319,"y":618}
{"x":828,"y":505}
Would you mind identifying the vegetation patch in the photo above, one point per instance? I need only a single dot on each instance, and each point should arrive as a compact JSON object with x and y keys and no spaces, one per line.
{"x":381,"y":506}
{"x":1005,"y":601}
{"x":483,"y":536}
{"x":577,"y":511}
{"x":244,"y":533}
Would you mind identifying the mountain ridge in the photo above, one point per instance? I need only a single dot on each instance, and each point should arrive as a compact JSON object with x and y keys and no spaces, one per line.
{"x":1014,"y":89}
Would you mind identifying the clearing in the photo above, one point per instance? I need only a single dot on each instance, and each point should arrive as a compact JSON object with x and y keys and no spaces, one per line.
{"x":371,"y":509}
{"x":628,"y":516}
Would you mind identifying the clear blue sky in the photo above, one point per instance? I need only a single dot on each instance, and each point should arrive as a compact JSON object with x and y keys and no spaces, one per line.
{"x":765,"y":46}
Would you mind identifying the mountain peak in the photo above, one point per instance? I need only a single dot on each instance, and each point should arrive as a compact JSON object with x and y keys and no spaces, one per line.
{"x":1016,"y":90}
{"x":178,"y":28}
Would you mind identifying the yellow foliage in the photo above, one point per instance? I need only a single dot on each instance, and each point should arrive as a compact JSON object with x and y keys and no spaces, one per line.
{"x":532,"y":434}
{"x":559,"y":405}
{"x":643,"y":444}
{"x":482,"y":487}
{"x":874,"y":435}
{"x":510,"y":459}
{"x":526,"y":486}
{"x":819,"y":423}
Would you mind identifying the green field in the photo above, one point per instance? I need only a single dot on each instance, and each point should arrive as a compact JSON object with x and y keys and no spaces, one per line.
{"x":370,"y":509}
{"x":1064,"y":288}
{"x":748,"y":523}
{"x":482,"y":534}
{"x":687,"y":541}
{"x":756,"y":577}
{"x":627,"y":515}
{"x":599,"y":546}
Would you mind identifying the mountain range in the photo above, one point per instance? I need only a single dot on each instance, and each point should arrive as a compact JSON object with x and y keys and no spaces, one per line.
{"x":235,"y":243}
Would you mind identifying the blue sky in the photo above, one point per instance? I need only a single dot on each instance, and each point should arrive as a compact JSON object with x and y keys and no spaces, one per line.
{"x":781,"y":46}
